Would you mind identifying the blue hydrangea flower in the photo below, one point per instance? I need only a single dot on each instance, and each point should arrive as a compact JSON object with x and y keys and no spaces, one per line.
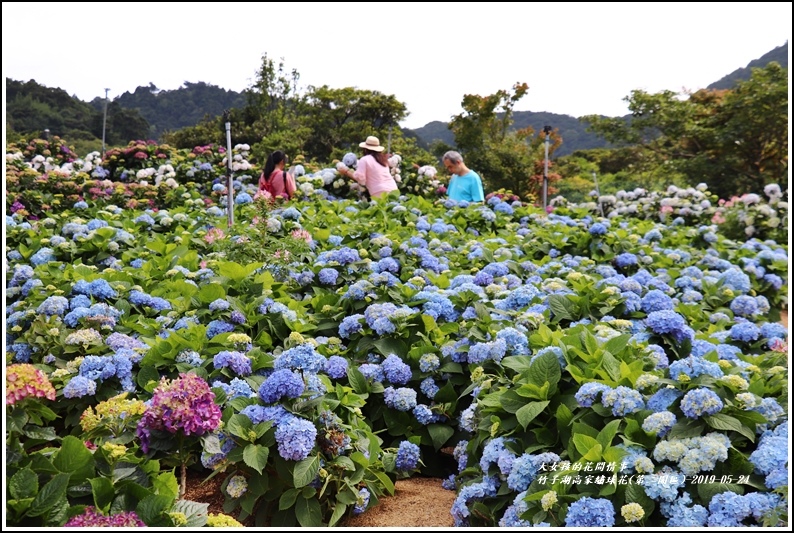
{"x":588,"y":393}
{"x":281,"y":383}
{"x":79,"y":386}
{"x":660,"y":423}
{"x":237,"y":361}
{"x":407,"y":456}
{"x":295,"y":437}
{"x":336,"y":367}
{"x":590,"y":512}
{"x":745,"y":332}
{"x":701,"y":402}
{"x":395,"y":370}
{"x":401,"y":399}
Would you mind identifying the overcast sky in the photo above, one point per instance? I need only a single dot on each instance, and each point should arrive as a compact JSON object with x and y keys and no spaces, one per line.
{"x":577,"y":58}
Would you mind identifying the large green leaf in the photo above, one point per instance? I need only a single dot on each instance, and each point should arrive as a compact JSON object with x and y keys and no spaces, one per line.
{"x":584,"y":443}
{"x":707,"y":491}
{"x":357,"y":380}
{"x":562,"y":307}
{"x":152,"y":509}
{"x":23,"y":484}
{"x":608,"y":433}
{"x":49,"y":495}
{"x":440,"y":434}
{"x":74,"y":458}
{"x":308,"y":512}
{"x":195,"y":512}
{"x":305,"y":471}
{"x":240,"y":426}
{"x":103,"y":491}
{"x":255,"y":456}
{"x":527,"y":414}
{"x":728,"y":423}
{"x":545,"y":368}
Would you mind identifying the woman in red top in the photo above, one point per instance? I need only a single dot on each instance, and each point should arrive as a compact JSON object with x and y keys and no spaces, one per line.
{"x":275,"y":179}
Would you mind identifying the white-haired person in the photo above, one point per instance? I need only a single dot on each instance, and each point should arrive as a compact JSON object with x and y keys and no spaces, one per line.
{"x":465,"y":184}
{"x":372,"y":170}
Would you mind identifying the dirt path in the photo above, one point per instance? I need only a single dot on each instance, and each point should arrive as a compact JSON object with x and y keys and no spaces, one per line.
{"x":417,"y":502}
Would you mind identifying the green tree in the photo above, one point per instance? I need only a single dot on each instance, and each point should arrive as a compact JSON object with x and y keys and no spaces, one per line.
{"x":735,"y":141}
{"x":339,"y":119}
{"x":505,"y":159}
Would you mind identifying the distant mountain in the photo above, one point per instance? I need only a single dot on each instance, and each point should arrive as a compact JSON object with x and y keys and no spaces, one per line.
{"x":779,"y":54}
{"x":173,"y":110}
{"x":574,"y":136}
{"x":572,"y":131}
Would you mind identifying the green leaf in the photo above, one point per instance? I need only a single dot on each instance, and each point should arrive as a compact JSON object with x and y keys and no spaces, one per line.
{"x":615,"y":345}
{"x":339,"y":512}
{"x":146,"y":374}
{"x":305,"y":471}
{"x":345,"y":462}
{"x":240,"y":426}
{"x":563,"y":415}
{"x":608,"y":433}
{"x":48,"y":496}
{"x":511,"y":402}
{"x":517,"y":363}
{"x":255,"y":456}
{"x":152,"y":508}
{"x":40,"y":433}
{"x":707,"y":491}
{"x":287,"y":499}
{"x":728,"y":423}
{"x":686,"y":429}
{"x":308,"y":512}
{"x":73,"y":455}
{"x":611,"y":365}
{"x":23,"y":484}
{"x":385,"y":481}
{"x":527,"y":414}
{"x":103,"y":491}
{"x":545,"y":368}
{"x":562,"y":307}
{"x":195,"y":512}
{"x":357,"y":380}
{"x":584,"y":443}
{"x":440,"y":434}
{"x":389,"y":346}
{"x":166,"y":484}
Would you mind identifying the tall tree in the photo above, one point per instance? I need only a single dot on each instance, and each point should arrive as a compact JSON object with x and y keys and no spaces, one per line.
{"x":339,"y":119}
{"x":735,"y":141}
{"x":504,"y":159}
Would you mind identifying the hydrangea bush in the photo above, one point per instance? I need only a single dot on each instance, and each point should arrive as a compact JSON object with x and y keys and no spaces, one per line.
{"x":584,"y":367}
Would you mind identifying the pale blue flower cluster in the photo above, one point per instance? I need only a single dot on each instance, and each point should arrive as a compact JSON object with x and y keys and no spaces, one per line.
{"x":216,"y":327}
{"x":219,"y":305}
{"x":729,"y":509}
{"x":693,"y":367}
{"x":336,"y":367}
{"x":664,"y":484}
{"x":745,"y":332}
{"x":99,"y":288}
{"x":680,"y":512}
{"x":622,"y":400}
{"x":696,"y":454}
{"x":302,"y":357}
{"x":660,"y":423}
{"x":295,"y":437}
{"x":590,"y":512}
{"x":362,"y":501}
{"x":237,"y":361}
{"x":156,"y":303}
{"x":395,"y":370}
{"x":701,"y":402}
{"x":401,"y":399}
{"x":588,"y":393}
{"x":475,"y":492}
{"x":770,"y":458}
{"x":494,"y":350}
{"x":516,"y":341}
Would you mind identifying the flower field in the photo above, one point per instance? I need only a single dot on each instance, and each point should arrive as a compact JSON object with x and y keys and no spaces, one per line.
{"x":614,"y":363}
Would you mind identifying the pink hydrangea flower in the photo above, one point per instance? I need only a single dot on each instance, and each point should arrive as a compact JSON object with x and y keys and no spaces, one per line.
{"x":185,"y":405}
{"x":92,"y":518}
{"x":25,"y":380}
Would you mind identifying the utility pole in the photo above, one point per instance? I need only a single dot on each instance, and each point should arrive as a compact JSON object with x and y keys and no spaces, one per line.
{"x":229,"y":181}
{"x":547,"y":131}
{"x":104,"y":122}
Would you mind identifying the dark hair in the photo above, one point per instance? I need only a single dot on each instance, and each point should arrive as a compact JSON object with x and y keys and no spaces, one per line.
{"x":380,"y":157}
{"x":272,"y":160}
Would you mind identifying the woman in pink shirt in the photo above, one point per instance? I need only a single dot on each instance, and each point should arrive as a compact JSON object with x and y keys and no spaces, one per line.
{"x":372,"y":170}
{"x":276,"y":180}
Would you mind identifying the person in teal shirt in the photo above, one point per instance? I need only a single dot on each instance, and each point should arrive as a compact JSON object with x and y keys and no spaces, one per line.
{"x":465,"y":184}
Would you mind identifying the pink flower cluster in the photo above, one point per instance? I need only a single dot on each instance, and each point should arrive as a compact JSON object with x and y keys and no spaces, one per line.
{"x":92,"y":518}
{"x":302,"y":235}
{"x":213,"y":235}
{"x":23,"y":380}
{"x":185,"y":404}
